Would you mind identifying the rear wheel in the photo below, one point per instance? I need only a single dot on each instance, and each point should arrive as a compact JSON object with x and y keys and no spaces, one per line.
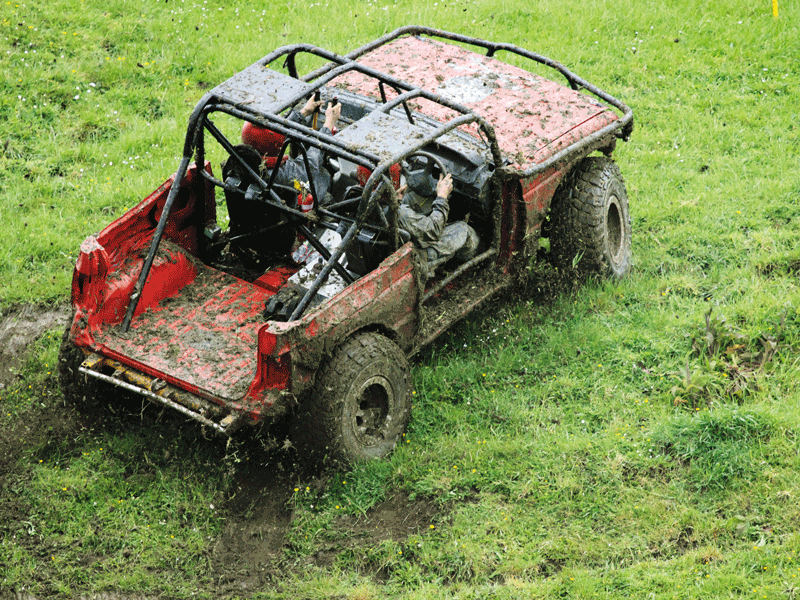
{"x":78,"y":389}
{"x":361,"y":402}
{"x":590,"y":220}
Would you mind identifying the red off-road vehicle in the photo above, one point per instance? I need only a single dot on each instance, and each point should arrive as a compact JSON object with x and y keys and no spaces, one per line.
{"x":292,"y":303}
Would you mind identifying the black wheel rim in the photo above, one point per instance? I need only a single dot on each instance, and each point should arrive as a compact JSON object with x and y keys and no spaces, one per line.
{"x":614,"y":227}
{"x":371,"y":412}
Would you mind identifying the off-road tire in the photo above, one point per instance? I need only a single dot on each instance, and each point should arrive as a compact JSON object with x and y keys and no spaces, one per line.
{"x":79,"y":391}
{"x":360,"y":403}
{"x":590,"y":220}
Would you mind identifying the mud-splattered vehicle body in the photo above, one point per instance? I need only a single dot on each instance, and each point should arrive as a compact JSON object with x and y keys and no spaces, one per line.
{"x":170,"y":305}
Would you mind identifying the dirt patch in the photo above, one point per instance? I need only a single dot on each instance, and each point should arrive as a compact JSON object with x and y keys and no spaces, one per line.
{"x":247,"y":554}
{"x":397,"y":518}
{"x":18,"y":328}
{"x":250,"y":553}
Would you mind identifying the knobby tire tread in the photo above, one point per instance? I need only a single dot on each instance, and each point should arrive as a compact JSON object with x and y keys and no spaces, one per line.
{"x":320,"y":426}
{"x":579,"y":217}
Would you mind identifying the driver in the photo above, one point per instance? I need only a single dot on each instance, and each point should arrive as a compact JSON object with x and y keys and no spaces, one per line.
{"x":438,"y":240}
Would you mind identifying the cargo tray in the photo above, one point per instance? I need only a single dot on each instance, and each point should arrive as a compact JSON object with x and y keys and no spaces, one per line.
{"x":205,"y":335}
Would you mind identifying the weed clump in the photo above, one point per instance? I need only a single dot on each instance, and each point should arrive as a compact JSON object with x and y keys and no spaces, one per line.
{"x":725,"y":364}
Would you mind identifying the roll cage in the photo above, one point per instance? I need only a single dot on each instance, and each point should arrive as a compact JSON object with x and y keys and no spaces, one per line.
{"x":263,"y":97}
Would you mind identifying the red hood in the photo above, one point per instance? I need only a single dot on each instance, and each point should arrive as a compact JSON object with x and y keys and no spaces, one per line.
{"x":533,"y":117}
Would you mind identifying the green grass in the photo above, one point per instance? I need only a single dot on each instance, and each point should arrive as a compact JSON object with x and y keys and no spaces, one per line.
{"x":597,"y":442}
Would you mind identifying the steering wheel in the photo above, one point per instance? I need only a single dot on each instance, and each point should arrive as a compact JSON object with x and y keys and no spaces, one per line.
{"x":423,"y":176}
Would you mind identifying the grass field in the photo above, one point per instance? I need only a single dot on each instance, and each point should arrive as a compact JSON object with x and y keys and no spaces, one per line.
{"x":633,"y":439}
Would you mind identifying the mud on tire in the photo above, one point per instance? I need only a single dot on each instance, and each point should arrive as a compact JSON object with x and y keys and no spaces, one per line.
{"x":361,"y":401}
{"x":590,"y":220}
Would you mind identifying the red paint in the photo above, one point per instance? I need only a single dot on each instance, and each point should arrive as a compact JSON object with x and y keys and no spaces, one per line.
{"x":274,"y":279}
{"x":533,"y":117}
{"x":108,"y":264}
{"x":537,"y":193}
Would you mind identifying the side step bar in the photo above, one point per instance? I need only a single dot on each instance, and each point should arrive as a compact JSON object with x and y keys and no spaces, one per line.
{"x":158,"y":390}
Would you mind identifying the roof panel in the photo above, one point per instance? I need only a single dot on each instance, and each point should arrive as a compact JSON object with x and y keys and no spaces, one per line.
{"x":532,"y":116}
{"x":260,"y":88}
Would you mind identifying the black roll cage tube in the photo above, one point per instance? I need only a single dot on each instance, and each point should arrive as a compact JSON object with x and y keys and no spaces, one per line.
{"x":337,"y":65}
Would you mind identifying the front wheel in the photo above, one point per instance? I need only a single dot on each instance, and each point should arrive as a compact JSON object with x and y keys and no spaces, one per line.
{"x":361,"y":401}
{"x":590,"y":220}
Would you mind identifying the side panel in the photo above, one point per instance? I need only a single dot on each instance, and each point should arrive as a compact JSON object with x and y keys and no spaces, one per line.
{"x":537,"y":194}
{"x":386,"y":299}
{"x":109,"y":263}
{"x":512,"y":223}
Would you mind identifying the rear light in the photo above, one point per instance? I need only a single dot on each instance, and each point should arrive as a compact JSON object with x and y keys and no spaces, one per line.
{"x":88,"y":283}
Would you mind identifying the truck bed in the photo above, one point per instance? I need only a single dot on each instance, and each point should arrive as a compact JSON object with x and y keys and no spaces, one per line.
{"x":205,"y":335}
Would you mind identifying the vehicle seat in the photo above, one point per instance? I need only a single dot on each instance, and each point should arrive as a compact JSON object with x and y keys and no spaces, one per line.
{"x":253,"y":232}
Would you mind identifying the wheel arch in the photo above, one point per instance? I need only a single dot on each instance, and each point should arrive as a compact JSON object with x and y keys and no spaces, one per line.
{"x":330,"y":349}
{"x":382,"y":329}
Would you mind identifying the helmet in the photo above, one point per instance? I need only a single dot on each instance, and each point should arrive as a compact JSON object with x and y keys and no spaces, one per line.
{"x":265,"y":141}
{"x":362,"y":174}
